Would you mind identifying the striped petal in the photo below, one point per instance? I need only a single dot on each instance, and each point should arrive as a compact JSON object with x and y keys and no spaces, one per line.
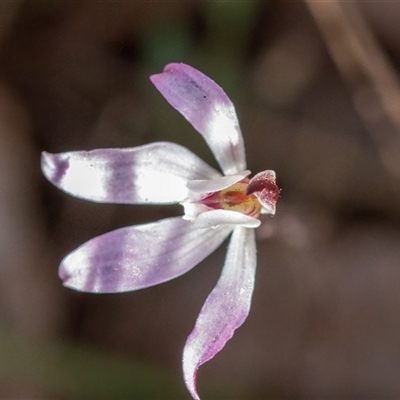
{"x":155,"y":173}
{"x":139,"y":256}
{"x":206,"y":106}
{"x":225,"y":309}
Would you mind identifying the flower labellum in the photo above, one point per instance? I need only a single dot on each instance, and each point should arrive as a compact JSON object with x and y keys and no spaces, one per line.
{"x":215,"y":206}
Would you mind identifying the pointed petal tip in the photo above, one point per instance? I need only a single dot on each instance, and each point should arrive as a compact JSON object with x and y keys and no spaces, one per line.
{"x":156,"y":78}
{"x":63,"y":273}
{"x":191,"y":387}
{"x":170,"y":67}
{"x":53,"y":166}
{"x":66,"y":273}
{"x":190,"y":369}
{"x":153,"y":79}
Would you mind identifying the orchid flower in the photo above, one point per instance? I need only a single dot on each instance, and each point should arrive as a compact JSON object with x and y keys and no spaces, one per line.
{"x":215,"y":206}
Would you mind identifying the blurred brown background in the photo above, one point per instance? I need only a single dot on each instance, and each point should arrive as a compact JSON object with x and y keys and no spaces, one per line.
{"x":316,"y":90}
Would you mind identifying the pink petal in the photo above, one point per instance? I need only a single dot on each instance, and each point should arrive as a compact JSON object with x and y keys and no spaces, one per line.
{"x":206,"y":106}
{"x":153,"y":173}
{"x":225,"y":309}
{"x":139,"y":256}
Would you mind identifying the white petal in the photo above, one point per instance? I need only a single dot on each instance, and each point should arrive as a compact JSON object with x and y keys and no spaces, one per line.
{"x":213,"y":185}
{"x":139,"y":256}
{"x":225,"y":309}
{"x":213,"y":218}
{"x":153,"y":173}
